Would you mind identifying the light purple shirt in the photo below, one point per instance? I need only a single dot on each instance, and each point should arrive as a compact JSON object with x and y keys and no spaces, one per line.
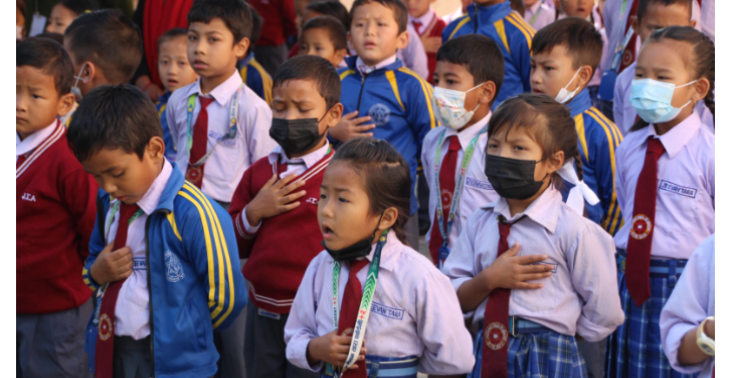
{"x":414,"y":55}
{"x":582,"y":294}
{"x":415,"y":312}
{"x":543,"y":15}
{"x":685,"y":204}
{"x":692,"y":300}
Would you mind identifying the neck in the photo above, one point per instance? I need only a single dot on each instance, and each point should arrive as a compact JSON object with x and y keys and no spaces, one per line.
{"x":22,"y":136}
{"x":517,"y":206}
{"x":664,"y":127}
{"x":209,"y":83}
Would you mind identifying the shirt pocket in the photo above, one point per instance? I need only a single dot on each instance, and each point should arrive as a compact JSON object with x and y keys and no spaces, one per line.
{"x":544,"y":299}
{"x":677,"y":204}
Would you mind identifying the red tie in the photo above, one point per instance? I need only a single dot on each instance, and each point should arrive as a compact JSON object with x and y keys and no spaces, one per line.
{"x":629,"y":54}
{"x":349,"y":311}
{"x":496,"y":320}
{"x":104,"y":361}
{"x":447,"y":182}
{"x":200,"y":144}
{"x":638,"y":252}
{"x":417,"y":26}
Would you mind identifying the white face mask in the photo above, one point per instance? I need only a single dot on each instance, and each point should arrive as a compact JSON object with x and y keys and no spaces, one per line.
{"x":75,"y":89}
{"x":564,"y":95}
{"x":450,"y":105}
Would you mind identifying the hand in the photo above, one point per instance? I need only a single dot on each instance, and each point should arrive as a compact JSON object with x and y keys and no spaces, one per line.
{"x":111,"y":266}
{"x":274,"y":198}
{"x":349,"y":127}
{"x":710,"y":329}
{"x":431,"y":44}
{"x":512,"y":272}
{"x":149,"y":88}
{"x":333,"y":349}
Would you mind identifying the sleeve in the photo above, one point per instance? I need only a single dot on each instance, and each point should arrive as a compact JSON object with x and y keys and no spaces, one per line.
{"x":172,"y":124}
{"x":414,"y":55}
{"x":605,"y":139}
{"x":618,"y":106}
{"x":420,"y":110}
{"x":257,"y":123}
{"x":462,"y":264}
{"x":301,"y":327}
{"x":520,"y":51}
{"x":78,"y":190}
{"x":96,"y":243}
{"x":241,"y":197}
{"x":620,"y":178}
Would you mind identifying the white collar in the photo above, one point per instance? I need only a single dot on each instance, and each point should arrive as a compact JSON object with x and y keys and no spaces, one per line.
{"x":365,"y":69}
{"x":148,"y":203}
{"x":425,"y":20}
{"x":309,"y":159}
{"x":34,"y":140}
{"x":223,"y":92}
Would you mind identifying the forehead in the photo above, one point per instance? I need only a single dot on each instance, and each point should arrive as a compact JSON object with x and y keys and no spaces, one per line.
{"x":666,"y":15}
{"x":665,"y":54}
{"x":215,"y":25}
{"x":460,"y":70}
{"x":316,"y":34}
{"x":106,"y":158}
{"x":341,"y":175}
{"x":557,"y":53}
{"x":299,"y":90}
{"x":35,"y":77}
{"x":373,"y":10}
{"x":172,"y":44}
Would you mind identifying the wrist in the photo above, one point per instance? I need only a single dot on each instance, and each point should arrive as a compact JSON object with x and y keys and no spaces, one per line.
{"x":252,"y":216}
{"x":486,"y":281}
{"x":312,"y":358}
{"x":94,"y":274}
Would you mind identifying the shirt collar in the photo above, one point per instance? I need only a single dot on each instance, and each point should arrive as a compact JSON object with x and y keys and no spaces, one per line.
{"x":34,"y":140}
{"x":223,"y":92}
{"x":539,"y":211}
{"x":678,"y":137}
{"x":310,"y":159}
{"x":151,"y":199}
{"x":533,"y":9}
{"x":389,"y":254}
{"x":580,"y":103}
{"x":365,"y":69}
{"x":466,"y":135}
{"x":425,"y":20}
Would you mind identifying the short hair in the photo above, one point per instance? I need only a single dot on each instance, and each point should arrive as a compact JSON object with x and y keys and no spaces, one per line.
{"x":479,"y":54}
{"x":58,"y":37}
{"x":113,"y":116}
{"x":399,"y":11}
{"x":110,"y":40}
{"x":80,"y":6}
{"x":644,"y":4}
{"x":256,"y":25}
{"x":314,"y":68}
{"x":331,"y":8}
{"x":337,"y":31}
{"x":170,"y":35}
{"x":234,"y":13}
{"x":48,"y":56}
{"x":578,"y":36}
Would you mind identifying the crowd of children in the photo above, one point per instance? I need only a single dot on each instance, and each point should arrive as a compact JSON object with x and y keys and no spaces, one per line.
{"x":237,"y":226}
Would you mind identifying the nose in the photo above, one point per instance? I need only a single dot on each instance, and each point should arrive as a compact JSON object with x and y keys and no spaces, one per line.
{"x":20,"y":103}
{"x":107,"y":185}
{"x":369,"y":28}
{"x":325,"y":208}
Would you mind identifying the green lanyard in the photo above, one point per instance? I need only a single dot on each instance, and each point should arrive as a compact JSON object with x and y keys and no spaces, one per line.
{"x":115,"y":208}
{"x":534,"y":16}
{"x":232,"y":117}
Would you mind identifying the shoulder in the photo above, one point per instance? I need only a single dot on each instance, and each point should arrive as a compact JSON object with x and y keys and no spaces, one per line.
{"x":192,"y":205}
{"x":454,"y":26}
{"x":250,"y":101}
{"x":573,"y":227}
{"x":413,"y":267}
{"x":180,"y":96}
{"x":432,"y":137}
{"x":408,"y":78}
{"x":518,"y":29}
{"x":632,"y":141}
{"x":600,"y":127}
{"x":623,"y":80}
{"x":344,"y":72}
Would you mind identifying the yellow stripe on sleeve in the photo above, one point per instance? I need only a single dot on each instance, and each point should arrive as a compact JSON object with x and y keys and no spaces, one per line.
{"x":162,"y":110}
{"x":391,"y":79}
{"x":171,"y":219}
{"x":426,"y":93}
{"x":459,"y":25}
{"x":524,"y":31}
{"x":244,"y":73}
{"x":499,"y":25}
{"x":613,"y":216}
{"x":346,"y":74}
{"x":518,"y":18}
{"x":581,"y":129}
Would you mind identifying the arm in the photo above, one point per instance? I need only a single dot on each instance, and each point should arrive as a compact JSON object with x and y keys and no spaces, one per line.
{"x":421,"y":116}
{"x":241,"y":197}
{"x":79,"y":191}
{"x":520,"y":51}
{"x":604,"y":143}
{"x":618,"y":106}
{"x":414,"y":55}
{"x":96,"y":244}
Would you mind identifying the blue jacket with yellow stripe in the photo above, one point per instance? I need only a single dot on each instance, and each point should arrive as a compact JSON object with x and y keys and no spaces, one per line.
{"x":255,"y":77}
{"x":193,"y":235}
{"x":598,"y":139}
{"x":513,"y":35}
{"x":170,"y":148}
{"x":400,"y":104}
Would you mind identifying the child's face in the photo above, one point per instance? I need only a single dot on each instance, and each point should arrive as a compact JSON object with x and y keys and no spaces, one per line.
{"x":212,"y":50}
{"x":317,"y":42}
{"x":457,"y":77}
{"x":659,"y":16}
{"x":308,"y":15}
{"x":553,"y":70}
{"x":577,"y":8}
{"x":417,"y":8}
{"x":374,"y":33}
{"x":61,"y":18}
{"x":37,"y":103}
{"x":173,"y":66}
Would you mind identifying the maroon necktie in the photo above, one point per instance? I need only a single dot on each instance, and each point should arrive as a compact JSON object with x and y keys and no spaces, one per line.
{"x":447,"y":182}
{"x":638,"y":252}
{"x":417,"y":25}
{"x":349,"y":312}
{"x":496,"y":320}
{"x":104,"y":360}
{"x":194,"y":174}
{"x":629,"y":54}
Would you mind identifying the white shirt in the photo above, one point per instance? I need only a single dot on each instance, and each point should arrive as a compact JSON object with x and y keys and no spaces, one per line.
{"x":582,"y":294}
{"x":30,"y":143}
{"x":424,"y":317}
{"x":685,"y":205}
{"x":545,"y":15}
{"x":425,"y":20}
{"x":692,"y":300}
{"x":132,"y":311}
{"x":365,"y":69}
{"x":232,"y":157}
{"x":449,"y":18}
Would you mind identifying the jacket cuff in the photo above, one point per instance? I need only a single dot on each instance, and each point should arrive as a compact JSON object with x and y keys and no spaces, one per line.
{"x":88,"y":280}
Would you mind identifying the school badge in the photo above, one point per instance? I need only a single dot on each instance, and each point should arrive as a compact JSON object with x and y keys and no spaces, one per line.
{"x":640,"y":227}
{"x":628,"y":57}
{"x":174,"y":268}
{"x":105,"y":327}
{"x":446,"y":197}
{"x":380,"y":114}
{"x":194,"y":175}
{"x":495,"y":336}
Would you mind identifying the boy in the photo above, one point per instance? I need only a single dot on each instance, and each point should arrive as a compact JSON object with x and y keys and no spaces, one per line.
{"x":472,"y":64}
{"x":496,"y":20}
{"x":175,"y":72}
{"x":274,"y":213}
{"x":252,"y":73}
{"x":54,"y":217}
{"x":325,"y":37}
{"x":429,"y":28}
{"x":538,"y":13}
{"x":278,"y":26}
{"x":378,"y":87}
{"x":162,"y":253}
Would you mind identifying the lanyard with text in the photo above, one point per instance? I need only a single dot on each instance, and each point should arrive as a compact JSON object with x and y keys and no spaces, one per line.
{"x":444,"y":249}
{"x":358,"y":335}
{"x":534,"y":16}
{"x":115,"y":208}
{"x":629,"y":33}
{"x":232,"y":117}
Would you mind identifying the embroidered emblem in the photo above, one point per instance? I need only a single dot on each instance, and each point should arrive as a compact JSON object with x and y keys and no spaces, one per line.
{"x":479,"y":184}
{"x":313,"y":200}
{"x":380,"y":114}
{"x":174,"y":268}
{"x":677,"y":189}
{"x":28,"y":197}
{"x":640,"y":227}
{"x":194,"y":175}
{"x":628,"y":57}
{"x":105,"y":327}
{"x":389,"y":312}
{"x":446,"y":197}
{"x":495,"y":336}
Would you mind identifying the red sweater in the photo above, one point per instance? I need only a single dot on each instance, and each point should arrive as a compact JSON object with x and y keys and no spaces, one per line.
{"x":433,"y":29}
{"x":279,"y":254}
{"x":278,"y":21}
{"x":54,"y":213}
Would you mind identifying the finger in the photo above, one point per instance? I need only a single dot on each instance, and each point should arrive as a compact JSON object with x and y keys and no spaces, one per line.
{"x":530,"y":259}
{"x":362,"y":129}
{"x":528,"y":286}
{"x":270,"y":183}
{"x":294,"y":196}
{"x":292,"y":187}
{"x":534,"y":276}
{"x":121,"y":253}
{"x":286,"y":180}
{"x":539,"y":268}
{"x":360,"y":120}
{"x":362,"y":135}
{"x":289,"y":207}
{"x":512,"y":250}
{"x":108,"y":248}
{"x":350,"y":115}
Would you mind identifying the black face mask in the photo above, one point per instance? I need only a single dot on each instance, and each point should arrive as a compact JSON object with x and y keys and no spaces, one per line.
{"x":295,"y":136}
{"x":512,"y":178}
{"x":355,"y":251}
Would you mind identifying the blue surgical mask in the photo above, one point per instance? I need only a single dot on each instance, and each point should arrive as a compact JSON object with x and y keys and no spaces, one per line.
{"x":652,"y":100}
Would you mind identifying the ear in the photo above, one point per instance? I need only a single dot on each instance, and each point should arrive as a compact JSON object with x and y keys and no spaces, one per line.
{"x":334,"y":115}
{"x":487,"y":93}
{"x":390,"y":215}
{"x":402,"y":40}
{"x":584,"y":76}
{"x":240,"y":48}
{"x":693,"y":23}
{"x":65,"y":104}
{"x":93,"y":73}
{"x":702,"y":87}
{"x":555,"y":162}
{"x":349,"y":38}
{"x":155,"y":149}
{"x":634,"y":21}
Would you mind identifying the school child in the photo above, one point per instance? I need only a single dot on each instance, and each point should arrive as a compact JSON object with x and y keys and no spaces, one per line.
{"x":252,"y":72}
{"x":538,"y":13}
{"x":369,"y":304}
{"x":665,"y":184}
{"x":326,"y":37}
{"x":65,"y":12}
{"x":529,"y":328}
{"x":175,"y":72}
{"x":278,"y":25}
{"x":469,"y":73}
{"x":220,"y":125}
{"x":496,"y":20}
{"x":274,"y":212}
{"x":162,"y":255}
{"x":54,"y":215}
{"x":429,"y":27}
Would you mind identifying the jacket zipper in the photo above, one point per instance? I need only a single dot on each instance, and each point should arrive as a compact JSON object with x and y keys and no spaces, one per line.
{"x":359,"y":97}
{"x":476,"y":18}
{"x":149,"y":285}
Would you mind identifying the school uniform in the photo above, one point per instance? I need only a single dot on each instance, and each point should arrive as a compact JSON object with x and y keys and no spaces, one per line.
{"x":683,"y":200}
{"x":415,"y":321}
{"x":539,"y":15}
{"x":255,"y":77}
{"x":222,"y":171}
{"x":513,"y":36}
{"x":54,"y":215}
{"x":170,"y":146}
{"x":428,"y":26}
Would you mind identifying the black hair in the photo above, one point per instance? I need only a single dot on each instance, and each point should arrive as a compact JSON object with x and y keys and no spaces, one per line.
{"x":234,"y":13}
{"x":110,"y":40}
{"x":644,"y":4}
{"x":331,"y":8}
{"x":583,"y":42}
{"x":52,"y":36}
{"x":314,"y":68}
{"x":335,"y":29}
{"x":400,"y":12}
{"x":80,"y":6}
{"x":48,"y":56}
{"x":172,"y":34}
{"x":384,"y":174}
{"x":113,"y":116}
{"x":256,"y":24}
{"x":479,"y":54}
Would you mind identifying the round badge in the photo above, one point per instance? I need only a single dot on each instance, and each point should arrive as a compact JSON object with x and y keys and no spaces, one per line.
{"x":194,"y":174}
{"x":105,"y":327}
{"x":495,"y":336}
{"x":446,"y":197}
{"x":347,"y":332}
{"x":640,"y":227}
{"x":628,"y":57}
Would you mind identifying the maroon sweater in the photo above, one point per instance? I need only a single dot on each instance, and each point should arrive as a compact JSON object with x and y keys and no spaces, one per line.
{"x":279,"y":254}
{"x":54,"y":212}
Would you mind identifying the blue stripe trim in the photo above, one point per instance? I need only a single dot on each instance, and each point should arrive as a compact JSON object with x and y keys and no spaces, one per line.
{"x":657,"y":268}
{"x":392,"y":367}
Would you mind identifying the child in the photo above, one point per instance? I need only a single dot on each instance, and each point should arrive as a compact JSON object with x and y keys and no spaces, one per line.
{"x":532,"y":331}
{"x":538,"y":13}
{"x":409,"y":318}
{"x":429,"y":28}
{"x":220,"y":124}
{"x":274,"y":213}
{"x":54,"y":215}
{"x":252,"y":72}
{"x":469,"y":73}
{"x":325,"y":37}
{"x":496,"y":20}
{"x":65,"y":12}
{"x":278,"y":25}
{"x":376,"y":86}
{"x":665,"y":183}
{"x":162,"y":253}
{"x":175,"y":72}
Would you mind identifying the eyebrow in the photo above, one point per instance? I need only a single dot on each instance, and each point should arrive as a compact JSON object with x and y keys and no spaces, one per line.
{"x":110,"y":169}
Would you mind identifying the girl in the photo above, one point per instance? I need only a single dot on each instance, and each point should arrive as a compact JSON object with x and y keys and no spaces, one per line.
{"x":528,"y":329}
{"x":411,"y":322}
{"x":665,"y":185}
{"x":63,"y":14}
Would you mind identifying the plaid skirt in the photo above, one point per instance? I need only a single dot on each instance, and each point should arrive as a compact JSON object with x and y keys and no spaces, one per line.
{"x":537,"y":355}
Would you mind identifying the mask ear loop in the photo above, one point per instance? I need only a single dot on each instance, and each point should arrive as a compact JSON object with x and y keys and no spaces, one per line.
{"x":377,"y":226}
{"x":684,"y":85}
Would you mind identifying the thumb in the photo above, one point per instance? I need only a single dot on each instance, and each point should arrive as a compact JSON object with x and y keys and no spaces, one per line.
{"x":271,"y":182}
{"x":513,"y":250}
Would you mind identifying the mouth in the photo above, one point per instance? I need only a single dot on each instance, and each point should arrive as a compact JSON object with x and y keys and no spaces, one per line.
{"x":20,"y":120}
{"x":199,"y":64}
{"x":122,"y":198}
{"x":172,"y":82}
{"x":537,"y":91}
{"x":327,"y":232}
{"x":369,"y":45}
